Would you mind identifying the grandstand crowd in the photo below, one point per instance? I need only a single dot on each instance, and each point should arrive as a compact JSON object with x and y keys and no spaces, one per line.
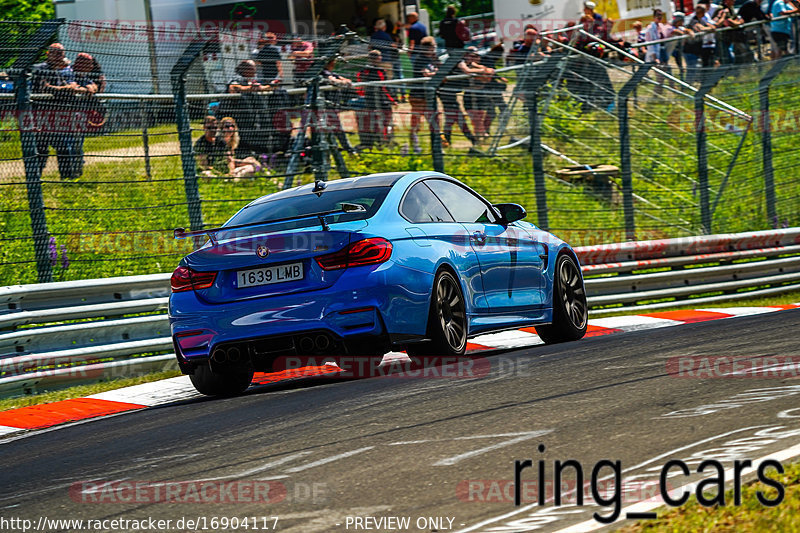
{"x":244,"y":136}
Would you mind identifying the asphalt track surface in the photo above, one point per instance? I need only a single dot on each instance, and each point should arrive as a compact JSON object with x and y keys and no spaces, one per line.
{"x":404,"y":447}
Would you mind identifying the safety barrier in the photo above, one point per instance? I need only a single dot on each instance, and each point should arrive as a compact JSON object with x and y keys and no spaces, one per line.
{"x":98,"y":339}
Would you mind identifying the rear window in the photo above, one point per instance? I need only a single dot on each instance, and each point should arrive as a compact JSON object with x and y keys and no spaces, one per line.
{"x":309,"y":204}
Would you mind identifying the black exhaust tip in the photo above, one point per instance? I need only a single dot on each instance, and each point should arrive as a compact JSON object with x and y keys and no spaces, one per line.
{"x":306,"y":344}
{"x":219,"y":356}
{"x":322,"y":342}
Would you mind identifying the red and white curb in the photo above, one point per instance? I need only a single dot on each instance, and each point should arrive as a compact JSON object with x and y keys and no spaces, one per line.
{"x":180,"y":388}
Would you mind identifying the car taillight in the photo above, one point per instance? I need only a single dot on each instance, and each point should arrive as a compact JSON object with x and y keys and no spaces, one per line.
{"x":184,"y":279}
{"x":365,"y":252}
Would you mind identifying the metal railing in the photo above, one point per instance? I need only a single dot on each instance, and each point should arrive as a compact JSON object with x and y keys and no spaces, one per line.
{"x":103,"y":342}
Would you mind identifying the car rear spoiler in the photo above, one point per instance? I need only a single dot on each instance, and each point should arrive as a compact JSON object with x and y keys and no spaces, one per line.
{"x":181,"y":233}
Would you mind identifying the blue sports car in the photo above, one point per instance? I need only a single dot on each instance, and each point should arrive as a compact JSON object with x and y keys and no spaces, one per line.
{"x":360,"y":266}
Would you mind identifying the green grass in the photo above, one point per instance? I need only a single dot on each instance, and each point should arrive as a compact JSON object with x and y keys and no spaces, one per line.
{"x":82,"y":390}
{"x":161,"y":133}
{"x":751,"y":516}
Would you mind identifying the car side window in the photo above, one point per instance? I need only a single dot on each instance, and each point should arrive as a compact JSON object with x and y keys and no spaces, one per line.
{"x":421,"y":205}
{"x":463,"y":204}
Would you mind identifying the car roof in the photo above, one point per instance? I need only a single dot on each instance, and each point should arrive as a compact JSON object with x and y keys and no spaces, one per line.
{"x":385,"y":179}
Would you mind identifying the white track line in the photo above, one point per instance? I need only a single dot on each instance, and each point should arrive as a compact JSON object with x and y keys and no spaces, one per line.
{"x":153,"y":393}
{"x":6,"y":430}
{"x":634,"y":322}
{"x":508,"y":339}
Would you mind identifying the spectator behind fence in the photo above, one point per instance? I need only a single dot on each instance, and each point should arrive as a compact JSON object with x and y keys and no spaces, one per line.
{"x":454,"y":31}
{"x":698,"y":46}
{"x":725,"y":17}
{"x":331,"y":116}
{"x":85,"y":68}
{"x":210,"y":151}
{"x":595,"y":24}
{"x":301,"y":54}
{"x":476,"y":96}
{"x":424,"y":64}
{"x":249,"y":109}
{"x":672,"y":48}
{"x":448,"y":94}
{"x":654,"y":32}
{"x":519,"y":53}
{"x":495,"y":88}
{"x":55,"y":77}
{"x":415,"y":30}
{"x":239,"y":165}
{"x":268,"y":58}
{"x":781,"y":29}
{"x":375,"y":119}
{"x":748,"y":12}
{"x":384,"y":43}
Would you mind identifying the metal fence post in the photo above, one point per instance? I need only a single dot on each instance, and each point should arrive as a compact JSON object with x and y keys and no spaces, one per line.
{"x":766,"y":138}
{"x":30,"y":157}
{"x":144,"y":115}
{"x":709,"y":81}
{"x":431,"y":87}
{"x":625,"y":148}
{"x":192,"y":52}
{"x":535,"y":78}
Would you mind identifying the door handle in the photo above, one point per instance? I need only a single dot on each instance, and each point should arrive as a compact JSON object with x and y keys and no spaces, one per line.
{"x":479,"y":237}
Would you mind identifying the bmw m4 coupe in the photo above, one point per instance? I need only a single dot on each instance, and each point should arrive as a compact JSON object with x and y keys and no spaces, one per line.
{"x":413,"y":261}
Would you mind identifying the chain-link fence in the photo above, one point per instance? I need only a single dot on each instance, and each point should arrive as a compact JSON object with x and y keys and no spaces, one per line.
{"x":112,"y":137}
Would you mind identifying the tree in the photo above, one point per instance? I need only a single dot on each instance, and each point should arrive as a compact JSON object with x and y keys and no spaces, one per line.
{"x":436,"y":8}
{"x":33,"y":10}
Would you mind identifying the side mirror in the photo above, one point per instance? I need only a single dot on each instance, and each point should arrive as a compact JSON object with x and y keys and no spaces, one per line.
{"x":511,"y":212}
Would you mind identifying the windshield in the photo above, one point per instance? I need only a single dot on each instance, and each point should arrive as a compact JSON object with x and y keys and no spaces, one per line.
{"x":302,"y":205}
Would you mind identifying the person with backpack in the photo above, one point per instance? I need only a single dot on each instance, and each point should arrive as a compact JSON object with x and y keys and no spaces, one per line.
{"x":453,"y":30}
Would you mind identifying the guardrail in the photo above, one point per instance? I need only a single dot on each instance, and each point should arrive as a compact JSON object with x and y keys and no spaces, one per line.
{"x":97,"y":339}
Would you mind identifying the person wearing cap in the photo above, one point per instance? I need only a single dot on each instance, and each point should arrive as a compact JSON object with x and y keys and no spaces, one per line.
{"x":593,"y":23}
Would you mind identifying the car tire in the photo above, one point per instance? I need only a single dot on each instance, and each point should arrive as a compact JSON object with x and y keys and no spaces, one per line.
{"x":570,"y":308}
{"x":447,"y":320}
{"x":218,"y":384}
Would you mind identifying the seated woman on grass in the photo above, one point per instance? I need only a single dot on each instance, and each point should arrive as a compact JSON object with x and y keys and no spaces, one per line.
{"x":238,"y":168}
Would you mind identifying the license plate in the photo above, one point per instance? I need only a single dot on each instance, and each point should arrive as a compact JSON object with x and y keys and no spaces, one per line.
{"x":269,"y":275}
